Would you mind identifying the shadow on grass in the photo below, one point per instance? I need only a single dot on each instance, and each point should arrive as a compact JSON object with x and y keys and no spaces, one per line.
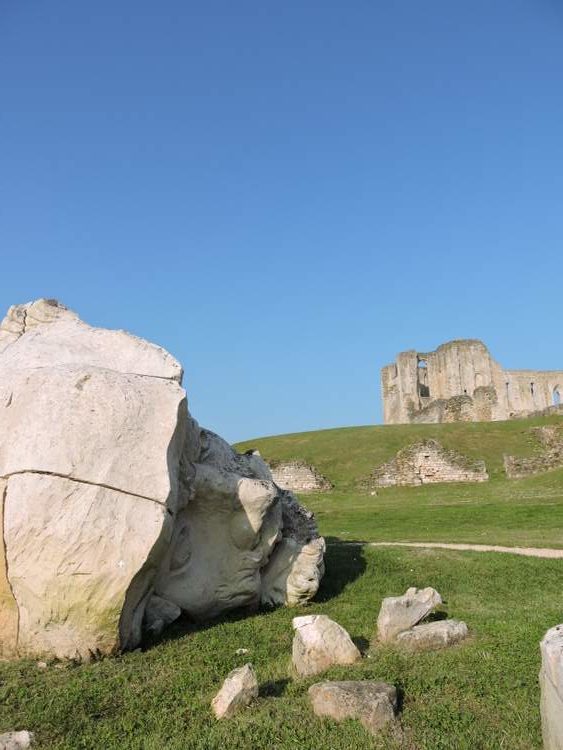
{"x":185,"y":626}
{"x":344,"y":564}
{"x":274,"y":689}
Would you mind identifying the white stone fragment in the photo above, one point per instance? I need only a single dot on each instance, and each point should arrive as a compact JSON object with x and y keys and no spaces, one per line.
{"x":400,"y":613}
{"x":239,"y":689}
{"x":320,"y":643}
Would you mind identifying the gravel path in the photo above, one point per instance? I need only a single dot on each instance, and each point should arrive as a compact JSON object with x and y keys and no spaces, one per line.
{"x":525,"y":551}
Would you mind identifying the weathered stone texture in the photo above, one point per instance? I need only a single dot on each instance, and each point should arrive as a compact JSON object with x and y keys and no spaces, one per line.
{"x":551,"y":683}
{"x":432,"y":635}
{"x":239,"y":689}
{"x":320,"y":643}
{"x":399,"y":613}
{"x":548,"y":457}
{"x":373,"y":703}
{"x":16,"y":740}
{"x":460,"y":381}
{"x":298,"y":476}
{"x":118,"y":511}
{"x":427,"y":462}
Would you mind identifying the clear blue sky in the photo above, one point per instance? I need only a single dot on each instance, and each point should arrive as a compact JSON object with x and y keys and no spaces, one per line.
{"x":286,"y":194}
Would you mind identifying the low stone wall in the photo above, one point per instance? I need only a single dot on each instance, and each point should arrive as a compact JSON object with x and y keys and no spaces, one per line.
{"x":298,"y":476}
{"x":551,"y":439}
{"x":427,"y":462}
{"x":551,"y":684}
{"x":549,"y":411}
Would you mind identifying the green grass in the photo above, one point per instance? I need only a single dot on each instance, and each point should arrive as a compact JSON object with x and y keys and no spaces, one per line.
{"x":482,"y":694}
{"x":526,"y":512}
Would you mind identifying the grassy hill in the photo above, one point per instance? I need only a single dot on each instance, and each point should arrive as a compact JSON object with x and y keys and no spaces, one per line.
{"x":527,"y":512}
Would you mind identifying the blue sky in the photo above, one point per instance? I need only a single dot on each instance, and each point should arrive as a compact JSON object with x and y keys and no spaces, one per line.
{"x":285,"y":195}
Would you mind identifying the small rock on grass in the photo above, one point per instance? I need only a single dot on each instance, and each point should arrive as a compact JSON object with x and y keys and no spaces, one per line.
{"x":399,"y":613}
{"x":373,"y":703}
{"x":320,"y":643}
{"x":431,"y":635}
{"x":239,"y":690}
{"x":16,"y":740}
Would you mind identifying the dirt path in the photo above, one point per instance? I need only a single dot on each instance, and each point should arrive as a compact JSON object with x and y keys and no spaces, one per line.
{"x":525,"y":551}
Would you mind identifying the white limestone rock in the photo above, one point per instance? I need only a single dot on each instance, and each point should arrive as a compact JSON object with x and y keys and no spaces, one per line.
{"x":431,"y":635}
{"x":294,"y":571}
{"x":239,"y":689}
{"x":118,"y":510}
{"x":399,"y":613}
{"x":320,"y":643}
{"x":92,"y":426}
{"x":16,"y":740}
{"x":373,"y":703}
{"x":551,"y":683}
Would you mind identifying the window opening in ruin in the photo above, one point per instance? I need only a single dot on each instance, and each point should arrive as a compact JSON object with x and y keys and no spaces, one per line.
{"x":423,"y":387}
{"x":556,"y":396}
{"x":532,"y":388}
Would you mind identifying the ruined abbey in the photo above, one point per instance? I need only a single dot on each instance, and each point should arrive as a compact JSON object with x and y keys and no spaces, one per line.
{"x":461,"y":382}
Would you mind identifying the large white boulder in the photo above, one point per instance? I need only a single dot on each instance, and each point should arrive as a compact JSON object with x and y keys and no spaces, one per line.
{"x":118,"y":511}
{"x":551,"y":683}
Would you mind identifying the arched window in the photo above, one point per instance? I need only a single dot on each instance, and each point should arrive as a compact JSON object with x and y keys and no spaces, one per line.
{"x":556,"y":396}
{"x":423,"y":387}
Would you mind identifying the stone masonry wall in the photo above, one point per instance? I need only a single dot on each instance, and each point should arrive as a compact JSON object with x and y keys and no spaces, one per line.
{"x":550,"y":438}
{"x":427,"y":462}
{"x":459,"y":382}
{"x":298,"y":476}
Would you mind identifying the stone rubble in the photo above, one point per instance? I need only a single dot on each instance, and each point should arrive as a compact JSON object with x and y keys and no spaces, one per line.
{"x":399,"y":613}
{"x":399,"y":618}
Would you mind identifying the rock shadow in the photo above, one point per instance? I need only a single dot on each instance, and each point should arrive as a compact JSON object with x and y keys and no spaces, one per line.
{"x":362,"y":644}
{"x":274,"y":688}
{"x":344,"y":564}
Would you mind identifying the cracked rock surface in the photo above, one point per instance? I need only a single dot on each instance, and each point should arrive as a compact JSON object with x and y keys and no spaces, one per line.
{"x":118,"y":511}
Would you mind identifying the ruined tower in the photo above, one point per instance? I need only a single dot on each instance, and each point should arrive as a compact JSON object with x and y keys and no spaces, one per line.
{"x":461,"y":382}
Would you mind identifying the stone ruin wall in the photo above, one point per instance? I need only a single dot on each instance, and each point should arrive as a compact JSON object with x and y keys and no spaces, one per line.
{"x":428,"y":462}
{"x":461,"y":382}
{"x":550,"y":457}
{"x":298,"y":476}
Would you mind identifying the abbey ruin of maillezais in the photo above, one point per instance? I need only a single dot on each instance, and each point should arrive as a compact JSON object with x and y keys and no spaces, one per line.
{"x":461,"y":382}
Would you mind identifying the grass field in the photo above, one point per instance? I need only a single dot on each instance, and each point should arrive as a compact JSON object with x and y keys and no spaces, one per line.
{"x":480,"y":695}
{"x":527,"y":512}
